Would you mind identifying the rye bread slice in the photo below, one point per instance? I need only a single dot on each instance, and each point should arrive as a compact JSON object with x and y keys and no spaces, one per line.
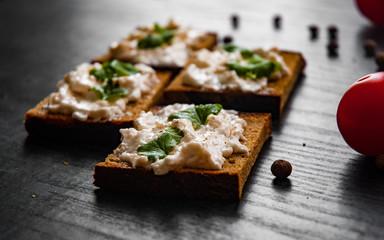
{"x":226,"y":183}
{"x":39,"y":122}
{"x":270,"y":99}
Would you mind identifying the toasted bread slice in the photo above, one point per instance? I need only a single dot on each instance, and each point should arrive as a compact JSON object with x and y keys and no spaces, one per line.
{"x":270,"y":99}
{"x":226,"y":183}
{"x":39,"y":122}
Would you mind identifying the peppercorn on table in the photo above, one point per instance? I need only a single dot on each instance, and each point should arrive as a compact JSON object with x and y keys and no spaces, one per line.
{"x":47,"y":189}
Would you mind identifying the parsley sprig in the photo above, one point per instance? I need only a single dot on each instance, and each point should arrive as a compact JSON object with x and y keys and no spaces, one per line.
{"x":256,"y":66}
{"x":198,"y":115}
{"x":159,"y":37}
{"x":110,"y":90}
{"x":160,"y":147}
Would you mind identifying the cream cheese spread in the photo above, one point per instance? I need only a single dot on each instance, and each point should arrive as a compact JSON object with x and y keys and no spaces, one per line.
{"x":204,"y":148}
{"x":74,"y":97}
{"x":208,"y":70}
{"x":171,"y":55}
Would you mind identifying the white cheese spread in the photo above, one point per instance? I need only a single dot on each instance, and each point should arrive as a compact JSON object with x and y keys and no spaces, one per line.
{"x":73,"y":96}
{"x":208,"y":69}
{"x":204,"y":148}
{"x":170,"y":55}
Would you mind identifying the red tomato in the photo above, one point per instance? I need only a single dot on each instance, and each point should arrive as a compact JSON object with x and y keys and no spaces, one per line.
{"x":360,"y":115}
{"x":373,"y":10}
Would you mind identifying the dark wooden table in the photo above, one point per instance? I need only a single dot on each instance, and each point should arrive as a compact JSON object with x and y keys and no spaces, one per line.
{"x":333,"y":192}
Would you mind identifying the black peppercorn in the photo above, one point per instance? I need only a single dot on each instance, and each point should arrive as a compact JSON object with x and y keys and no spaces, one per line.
{"x":380,"y":60}
{"x":314,"y":31}
{"x":370,"y":47}
{"x":277,"y":21}
{"x":281,"y":168}
{"x":235,"y":21}
{"x":332,"y":31}
{"x":333,"y":47}
{"x":227,"y":39}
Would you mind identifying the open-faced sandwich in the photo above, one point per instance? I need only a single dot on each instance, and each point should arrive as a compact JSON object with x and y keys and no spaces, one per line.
{"x":93,"y":102}
{"x":162,"y":47}
{"x":240,"y":79}
{"x":181,"y":150}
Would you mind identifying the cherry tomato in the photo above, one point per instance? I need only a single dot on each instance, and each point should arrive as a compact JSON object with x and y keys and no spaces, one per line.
{"x":360,"y":115}
{"x":373,"y":10}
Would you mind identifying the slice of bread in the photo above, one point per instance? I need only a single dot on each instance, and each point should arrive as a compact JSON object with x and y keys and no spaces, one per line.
{"x":226,"y":183}
{"x":270,"y":99}
{"x":39,"y":122}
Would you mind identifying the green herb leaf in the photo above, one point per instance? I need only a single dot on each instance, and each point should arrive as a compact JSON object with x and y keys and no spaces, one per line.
{"x":230,"y":47}
{"x":109,"y":90}
{"x":254,"y":70}
{"x":159,"y":37}
{"x":99,"y":91}
{"x":245,"y":53}
{"x":99,"y":74}
{"x":123,"y":69}
{"x":197,"y":115}
{"x":158,"y":29}
{"x":257,"y":67}
{"x":116,"y":93}
{"x":112,"y":69}
{"x":160,"y":147}
{"x":106,"y":93}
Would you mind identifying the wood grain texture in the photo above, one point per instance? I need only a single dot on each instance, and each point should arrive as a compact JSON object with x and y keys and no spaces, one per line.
{"x":333,"y":192}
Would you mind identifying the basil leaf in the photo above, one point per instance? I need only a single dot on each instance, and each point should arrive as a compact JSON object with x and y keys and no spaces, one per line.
{"x":198,"y":115}
{"x":159,"y":37}
{"x":160,"y":147}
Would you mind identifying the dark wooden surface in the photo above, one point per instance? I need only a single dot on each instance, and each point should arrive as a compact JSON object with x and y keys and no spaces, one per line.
{"x":333,"y":192}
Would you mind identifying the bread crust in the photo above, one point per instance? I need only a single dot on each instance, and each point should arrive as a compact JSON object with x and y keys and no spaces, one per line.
{"x":226,"y":183}
{"x":39,"y":122}
{"x":270,"y":99}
